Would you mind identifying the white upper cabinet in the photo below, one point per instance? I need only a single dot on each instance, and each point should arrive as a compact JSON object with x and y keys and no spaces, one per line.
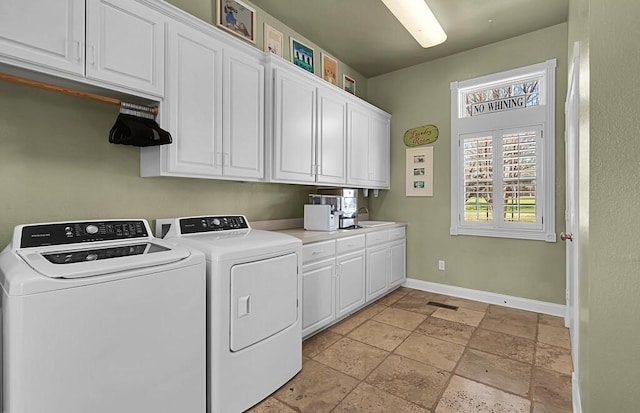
{"x":294,"y":126}
{"x":368,"y":147}
{"x":309,"y":129}
{"x":46,"y":33}
{"x":192,"y":110}
{"x":115,"y":44}
{"x":213,"y":108}
{"x":125,"y":45}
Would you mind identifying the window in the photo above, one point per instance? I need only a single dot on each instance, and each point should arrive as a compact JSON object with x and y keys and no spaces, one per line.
{"x":503,"y":151}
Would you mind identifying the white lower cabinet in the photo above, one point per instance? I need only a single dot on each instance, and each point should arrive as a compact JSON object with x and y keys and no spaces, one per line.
{"x":318,"y":295}
{"x":386,"y":261}
{"x":340,"y":276}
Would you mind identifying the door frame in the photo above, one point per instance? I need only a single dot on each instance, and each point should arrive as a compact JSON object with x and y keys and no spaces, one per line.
{"x":572,"y":136}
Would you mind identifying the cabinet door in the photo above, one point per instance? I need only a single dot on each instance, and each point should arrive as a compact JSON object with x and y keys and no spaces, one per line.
{"x":318,"y":295}
{"x":332,"y":137}
{"x":125,"y":45}
{"x":44,"y":32}
{"x":358,"y":147}
{"x":379,"y":155}
{"x":294,"y":127}
{"x":398,"y":266}
{"x":194,"y":102}
{"x":350,"y":282}
{"x":243,"y":126}
{"x":377,"y":270}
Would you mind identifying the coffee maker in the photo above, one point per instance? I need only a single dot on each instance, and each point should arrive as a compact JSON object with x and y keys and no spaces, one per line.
{"x":342,"y":200}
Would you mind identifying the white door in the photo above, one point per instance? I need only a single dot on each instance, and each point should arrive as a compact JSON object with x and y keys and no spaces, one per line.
{"x":44,"y":32}
{"x":264,"y":299}
{"x":379,"y":152}
{"x":358,"y":146}
{"x":194,"y":100}
{"x":125,"y":45}
{"x":332,"y":137}
{"x":294,"y":128}
{"x":350,"y":283}
{"x":243,"y":130}
{"x":570,"y":234}
{"x":377,"y":270}
{"x":318,"y":295}
{"x":398,"y":266}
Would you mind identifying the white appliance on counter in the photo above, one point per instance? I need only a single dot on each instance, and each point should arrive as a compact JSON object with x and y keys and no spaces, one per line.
{"x":320,"y":218}
{"x":100,"y":317}
{"x":254,"y":333}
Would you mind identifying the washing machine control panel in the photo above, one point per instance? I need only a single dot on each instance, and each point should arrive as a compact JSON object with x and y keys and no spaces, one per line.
{"x":212,"y":224}
{"x":63,"y":233}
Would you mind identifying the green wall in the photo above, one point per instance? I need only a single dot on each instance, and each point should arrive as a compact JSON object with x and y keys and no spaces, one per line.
{"x":56,"y":164}
{"x":420,"y":95}
{"x":609,"y":253}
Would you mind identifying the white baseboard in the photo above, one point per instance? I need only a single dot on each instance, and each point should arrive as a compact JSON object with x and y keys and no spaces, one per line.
{"x":543,"y":307}
{"x":575,"y":394}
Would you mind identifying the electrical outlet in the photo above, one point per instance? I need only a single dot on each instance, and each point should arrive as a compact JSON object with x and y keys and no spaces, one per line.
{"x":441,"y":265}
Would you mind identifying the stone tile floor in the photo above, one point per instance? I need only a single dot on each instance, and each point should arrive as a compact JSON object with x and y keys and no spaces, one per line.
{"x":400,"y":354}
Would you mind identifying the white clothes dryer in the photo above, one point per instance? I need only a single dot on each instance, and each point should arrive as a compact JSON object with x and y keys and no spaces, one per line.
{"x":100,"y":317}
{"x":254,"y":289}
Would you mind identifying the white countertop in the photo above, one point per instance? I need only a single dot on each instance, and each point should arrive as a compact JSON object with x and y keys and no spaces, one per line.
{"x":315,"y":236}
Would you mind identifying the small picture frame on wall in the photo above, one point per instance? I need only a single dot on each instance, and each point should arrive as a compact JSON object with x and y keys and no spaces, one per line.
{"x":349,"y":84}
{"x":272,"y":40}
{"x":302,"y":55}
{"x":237,"y":17}
{"x":329,"y":69}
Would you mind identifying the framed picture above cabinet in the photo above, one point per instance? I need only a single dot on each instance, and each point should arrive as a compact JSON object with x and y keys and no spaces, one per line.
{"x":272,"y":40}
{"x":302,"y":55}
{"x":237,"y":17}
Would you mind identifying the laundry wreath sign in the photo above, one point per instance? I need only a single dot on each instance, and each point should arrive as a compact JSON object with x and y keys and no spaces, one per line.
{"x":421,"y":135}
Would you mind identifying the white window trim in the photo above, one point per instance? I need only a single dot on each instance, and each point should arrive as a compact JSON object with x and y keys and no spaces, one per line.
{"x":507,"y":121}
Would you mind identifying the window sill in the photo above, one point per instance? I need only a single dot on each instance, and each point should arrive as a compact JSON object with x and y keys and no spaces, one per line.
{"x":497,"y":233}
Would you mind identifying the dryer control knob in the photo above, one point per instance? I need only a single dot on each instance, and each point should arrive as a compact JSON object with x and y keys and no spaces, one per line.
{"x":91,"y":229}
{"x":216,"y":221}
{"x":91,"y":257}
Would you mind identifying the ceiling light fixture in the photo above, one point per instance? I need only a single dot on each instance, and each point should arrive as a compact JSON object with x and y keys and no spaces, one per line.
{"x":418,"y":19}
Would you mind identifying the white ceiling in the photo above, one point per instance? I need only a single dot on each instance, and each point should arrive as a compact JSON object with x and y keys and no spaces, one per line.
{"x":366,"y":36}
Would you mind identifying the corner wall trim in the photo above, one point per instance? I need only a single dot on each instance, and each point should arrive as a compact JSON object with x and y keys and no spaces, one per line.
{"x":558,"y":310}
{"x":575,"y":394}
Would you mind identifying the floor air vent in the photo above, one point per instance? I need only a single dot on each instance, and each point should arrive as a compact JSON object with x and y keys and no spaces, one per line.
{"x":447,"y":306}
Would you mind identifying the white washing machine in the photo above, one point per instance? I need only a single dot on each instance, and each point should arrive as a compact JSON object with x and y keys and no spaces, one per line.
{"x":254,"y":287}
{"x":100,"y":317}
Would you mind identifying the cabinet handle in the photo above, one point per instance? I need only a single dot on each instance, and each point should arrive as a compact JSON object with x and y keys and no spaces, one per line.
{"x":218,"y":156}
{"x":92,"y":54}
{"x":78,"y":51}
{"x":316,"y":252}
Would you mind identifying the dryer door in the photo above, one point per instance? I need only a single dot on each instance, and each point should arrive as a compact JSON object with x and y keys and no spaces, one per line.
{"x":264,"y":299}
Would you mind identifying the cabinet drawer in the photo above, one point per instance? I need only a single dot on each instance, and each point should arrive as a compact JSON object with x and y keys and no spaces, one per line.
{"x":397,"y":233}
{"x":317,"y":250}
{"x":350,"y":243}
{"x":378,"y":237}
